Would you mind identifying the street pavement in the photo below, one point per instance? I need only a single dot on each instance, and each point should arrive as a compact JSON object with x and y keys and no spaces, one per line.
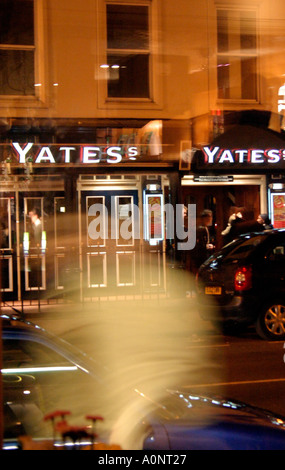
{"x":59,"y":318}
{"x":253,"y":370}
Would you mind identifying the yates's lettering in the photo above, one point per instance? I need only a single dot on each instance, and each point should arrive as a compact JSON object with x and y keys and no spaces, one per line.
{"x":217,"y":155}
{"x":86,"y":154}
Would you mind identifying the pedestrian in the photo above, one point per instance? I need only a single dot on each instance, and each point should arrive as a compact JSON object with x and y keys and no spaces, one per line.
{"x":264,"y":220}
{"x":34,"y":215}
{"x":234,"y":220}
{"x":246,"y":225}
{"x":204,"y":248}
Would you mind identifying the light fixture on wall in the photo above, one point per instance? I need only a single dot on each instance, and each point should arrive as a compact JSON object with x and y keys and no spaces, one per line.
{"x":6,"y":168}
{"x":277,"y":186}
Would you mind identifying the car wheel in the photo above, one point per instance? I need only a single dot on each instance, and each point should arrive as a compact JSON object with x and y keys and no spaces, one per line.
{"x":271,"y":321}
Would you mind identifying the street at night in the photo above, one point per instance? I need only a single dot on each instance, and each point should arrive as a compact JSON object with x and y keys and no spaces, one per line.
{"x":255,"y":370}
{"x":142,"y":225}
{"x":248,"y":368}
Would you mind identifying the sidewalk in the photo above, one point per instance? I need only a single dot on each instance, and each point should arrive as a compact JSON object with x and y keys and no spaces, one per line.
{"x":58,"y":318}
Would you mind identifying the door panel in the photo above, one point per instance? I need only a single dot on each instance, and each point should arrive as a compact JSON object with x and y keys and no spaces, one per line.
{"x":126,"y":268}
{"x":31,"y":268}
{"x":7,"y":248}
{"x":59,"y":243}
{"x":42,"y":252}
{"x":34,"y":256}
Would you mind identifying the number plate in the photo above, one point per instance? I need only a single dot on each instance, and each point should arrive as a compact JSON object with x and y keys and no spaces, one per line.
{"x":213,"y":290}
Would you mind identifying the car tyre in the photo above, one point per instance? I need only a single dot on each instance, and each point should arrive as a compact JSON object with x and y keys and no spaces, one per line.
{"x":270,"y":323}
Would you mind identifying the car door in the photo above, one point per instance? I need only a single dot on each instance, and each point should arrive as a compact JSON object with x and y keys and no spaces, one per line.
{"x":274,"y":268}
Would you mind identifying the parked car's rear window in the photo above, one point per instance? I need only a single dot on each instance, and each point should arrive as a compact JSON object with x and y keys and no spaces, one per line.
{"x":243,"y":249}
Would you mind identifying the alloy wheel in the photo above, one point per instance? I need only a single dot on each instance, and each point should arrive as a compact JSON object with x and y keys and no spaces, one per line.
{"x":274,"y":320}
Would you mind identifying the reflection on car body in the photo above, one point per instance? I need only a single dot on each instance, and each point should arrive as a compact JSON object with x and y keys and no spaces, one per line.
{"x":42,"y":372}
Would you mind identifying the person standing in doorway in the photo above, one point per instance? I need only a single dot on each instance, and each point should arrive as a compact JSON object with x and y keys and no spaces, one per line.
{"x":34,"y":215}
{"x":264,"y":220}
{"x":204,"y":248}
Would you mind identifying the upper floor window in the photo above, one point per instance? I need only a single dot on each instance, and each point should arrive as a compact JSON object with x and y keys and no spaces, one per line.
{"x":17,"y":48}
{"x":128,"y":51}
{"x":237,"y":54}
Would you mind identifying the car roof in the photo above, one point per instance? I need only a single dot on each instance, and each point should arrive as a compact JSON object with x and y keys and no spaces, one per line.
{"x":266,"y":233}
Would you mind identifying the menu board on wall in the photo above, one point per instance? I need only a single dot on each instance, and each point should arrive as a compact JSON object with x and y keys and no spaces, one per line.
{"x":154,"y":217}
{"x":278,"y":210}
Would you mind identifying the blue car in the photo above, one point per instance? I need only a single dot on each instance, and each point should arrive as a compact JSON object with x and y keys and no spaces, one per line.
{"x":42,"y":373}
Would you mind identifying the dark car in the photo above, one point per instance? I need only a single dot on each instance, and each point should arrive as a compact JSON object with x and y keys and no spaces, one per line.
{"x":246,"y":280}
{"x":41,"y":373}
{"x":36,"y":365}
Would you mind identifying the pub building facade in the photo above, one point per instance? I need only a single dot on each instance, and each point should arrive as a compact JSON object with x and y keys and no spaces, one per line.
{"x":241,"y":167}
{"x":110,"y":107}
{"x":85,"y":193}
{"x":102,"y":205}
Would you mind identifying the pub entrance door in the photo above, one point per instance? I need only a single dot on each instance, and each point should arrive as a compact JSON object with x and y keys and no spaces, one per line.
{"x":221,"y":200}
{"x":32,"y":254}
{"x":110,"y":242}
{"x":8,"y":249}
{"x":42,"y":248}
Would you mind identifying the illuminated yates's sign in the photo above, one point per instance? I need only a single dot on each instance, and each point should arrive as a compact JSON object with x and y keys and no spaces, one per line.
{"x":235,"y":157}
{"x":86,"y":154}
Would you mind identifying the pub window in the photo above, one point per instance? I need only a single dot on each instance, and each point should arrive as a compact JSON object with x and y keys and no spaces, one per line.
{"x":17,"y":48}
{"x":128,"y":51}
{"x":237,"y":54}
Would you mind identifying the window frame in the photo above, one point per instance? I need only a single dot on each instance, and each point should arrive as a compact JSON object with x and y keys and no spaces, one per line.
{"x":39,"y":97}
{"x":154,"y":101}
{"x":238,"y":7}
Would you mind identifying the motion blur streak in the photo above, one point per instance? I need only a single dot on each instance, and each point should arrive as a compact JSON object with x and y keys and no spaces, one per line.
{"x":145,"y":348}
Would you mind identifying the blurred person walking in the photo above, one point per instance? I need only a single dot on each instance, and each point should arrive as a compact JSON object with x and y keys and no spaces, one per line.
{"x":204,"y":248}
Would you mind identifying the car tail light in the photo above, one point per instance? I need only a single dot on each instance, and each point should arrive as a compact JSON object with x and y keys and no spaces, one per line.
{"x":243,"y":278}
